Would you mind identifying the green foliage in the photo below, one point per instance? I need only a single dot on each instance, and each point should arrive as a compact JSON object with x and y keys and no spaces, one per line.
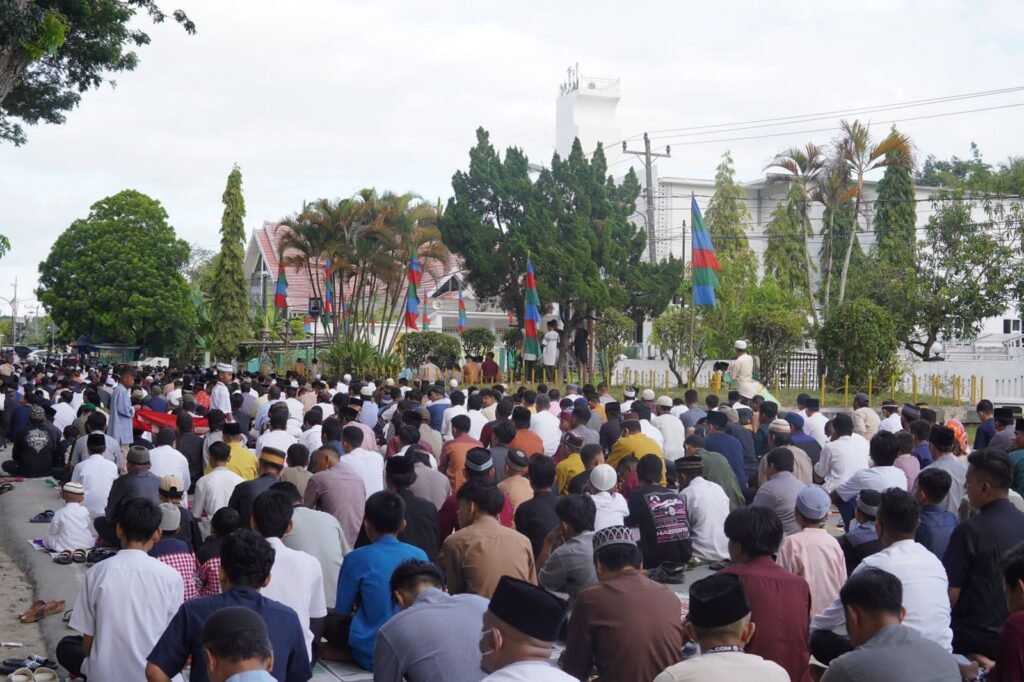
{"x":51,"y":51}
{"x":230,"y":291}
{"x":573,"y":222}
{"x":652,"y":287}
{"x":357,"y":357}
{"x":5,"y":245}
{"x":198,"y":271}
{"x":117,"y":276}
{"x":964,"y":273}
{"x":727,"y":215}
{"x":416,"y":346}
{"x":858,"y":338}
{"x":671,"y":333}
{"x":784,"y":256}
{"x":478,"y":340}
{"x":613,"y":331}
{"x":773,"y":324}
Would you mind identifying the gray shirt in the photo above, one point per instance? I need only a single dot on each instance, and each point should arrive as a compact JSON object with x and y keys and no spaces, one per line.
{"x":779,"y":494}
{"x":897,"y":654}
{"x":113,"y":452}
{"x":957,"y":470}
{"x":450,"y":652}
{"x":1003,"y":440}
{"x":692,"y":416}
{"x":319,"y":534}
{"x":570,"y":568}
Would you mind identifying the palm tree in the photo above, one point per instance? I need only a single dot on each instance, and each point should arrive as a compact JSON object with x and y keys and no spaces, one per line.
{"x":831,"y":189}
{"x":856,"y":151}
{"x":805,"y":164}
{"x":304,"y":244}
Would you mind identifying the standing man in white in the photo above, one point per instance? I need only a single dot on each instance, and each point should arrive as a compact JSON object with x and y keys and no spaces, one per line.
{"x":550,"y":345}
{"x":220,"y":397}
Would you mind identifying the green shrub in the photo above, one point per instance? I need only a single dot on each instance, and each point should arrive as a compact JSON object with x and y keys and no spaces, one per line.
{"x":858,"y":338}
{"x":416,"y":346}
{"x":356,"y":357}
{"x":478,"y":340}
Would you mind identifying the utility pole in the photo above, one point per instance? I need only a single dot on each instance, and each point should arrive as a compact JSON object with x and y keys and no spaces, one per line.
{"x":648,"y":155}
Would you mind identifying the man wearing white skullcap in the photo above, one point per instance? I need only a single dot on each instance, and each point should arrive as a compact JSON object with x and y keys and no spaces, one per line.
{"x":220,"y":397}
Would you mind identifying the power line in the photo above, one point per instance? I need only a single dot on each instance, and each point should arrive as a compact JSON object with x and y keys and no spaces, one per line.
{"x":804,"y":118}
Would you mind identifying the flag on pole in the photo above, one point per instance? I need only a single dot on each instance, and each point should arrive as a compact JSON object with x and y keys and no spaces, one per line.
{"x":308,"y":324}
{"x":703,"y":262}
{"x":462,"y":312}
{"x":328,"y":290}
{"x":531,"y":344}
{"x":281,"y":293}
{"x":412,"y":300}
{"x":423,"y":307}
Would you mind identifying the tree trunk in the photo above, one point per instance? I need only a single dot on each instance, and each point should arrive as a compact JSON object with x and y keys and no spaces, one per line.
{"x":13,"y":59}
{"x":828,"y":272}
{"x":849,"y":244}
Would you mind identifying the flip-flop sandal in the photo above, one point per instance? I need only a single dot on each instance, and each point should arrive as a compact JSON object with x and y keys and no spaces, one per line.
{"x":33,"y":613}
{"x":6,"y":488}
{"x":64,"y":558}
{"x":42,"y":517}
{"x":43,"y":674}
{"x":79,"y":556}
{"x":51,"y":608}
{"x":98,"y":555}
{"x":67,"y":616}
{"x":21,"y":675}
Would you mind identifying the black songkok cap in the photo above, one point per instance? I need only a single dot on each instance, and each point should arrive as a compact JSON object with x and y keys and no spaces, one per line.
{"x":520,"y":414}
{"x":231,"y":621}
{"x":717,"y":600}
{"x":812,"y":404}
{"x":533,"y":611}
{"x":400,"y":465}
{"x":718,"y":419}
{"x":96,"y":440}
{"x":232,"y":429}
{"x":1003,"y":413}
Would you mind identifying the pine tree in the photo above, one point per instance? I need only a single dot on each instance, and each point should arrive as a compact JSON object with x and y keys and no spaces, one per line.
{"x":784,"y":259}
{"x":230,"y":304}
{"x":896,"y":219}
{"x":727,"y":215}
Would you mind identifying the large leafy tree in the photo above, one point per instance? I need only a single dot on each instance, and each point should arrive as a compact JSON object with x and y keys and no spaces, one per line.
{"x":230,"y":299}
{"x":51,"y":51}
{"x":116,"y":275}
{"x":573,"y":221}
{"x":858,"y":339}
{"x":785,"y":255}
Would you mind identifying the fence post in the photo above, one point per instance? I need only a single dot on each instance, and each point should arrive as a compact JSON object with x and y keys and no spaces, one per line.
{"x":982,"y":387}
{"x":915,"y":389}
{"x":846,"y":390}
{"x":869,"y":387}
{"x":974,"y":390}
{"x":821,"y":385}
{"x":666,"y":381}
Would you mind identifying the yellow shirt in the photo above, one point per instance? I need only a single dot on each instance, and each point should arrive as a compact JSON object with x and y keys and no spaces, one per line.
{"x":566,"y":470}
{"x":243,"y":462}
{"x":638,"y":445}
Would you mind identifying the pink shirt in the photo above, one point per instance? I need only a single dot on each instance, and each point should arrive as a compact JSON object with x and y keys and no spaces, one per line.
{"x":909,"y":465}
{"x":817,"y":557}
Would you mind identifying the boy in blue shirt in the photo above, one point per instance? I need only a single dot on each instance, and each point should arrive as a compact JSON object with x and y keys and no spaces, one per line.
{"x":937,"y":523}
{"x":365,"y":577}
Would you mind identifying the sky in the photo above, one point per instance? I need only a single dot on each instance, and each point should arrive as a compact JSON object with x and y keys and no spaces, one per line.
{"x":319,"y":98}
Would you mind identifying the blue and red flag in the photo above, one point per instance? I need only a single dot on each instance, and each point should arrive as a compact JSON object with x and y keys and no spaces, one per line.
{"x":412,"y":299}
{"x":423,"y":307}
{"x":531,"y":343}
{"x":704,"y":262}
{"x":462,"y":312}
{"x":281,"y":292}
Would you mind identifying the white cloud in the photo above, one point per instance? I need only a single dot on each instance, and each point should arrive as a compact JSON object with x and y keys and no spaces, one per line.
{"x":321,"y":97}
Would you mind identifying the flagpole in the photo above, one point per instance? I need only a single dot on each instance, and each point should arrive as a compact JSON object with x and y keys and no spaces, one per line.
{"x":693,"y":302}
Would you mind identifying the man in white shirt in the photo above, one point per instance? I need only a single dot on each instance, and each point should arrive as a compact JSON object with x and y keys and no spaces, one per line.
{"x":546,"y":425}
{"x":842,"y":457}
{"x":312,"y":424}
{"x":925,"y":585}
{"x":124,"y":604}
{"x":277,"y":436}
{"x":64,"y":414}
{"x":883,"y":449}
{"x":220,"y":397}
{"x":814,"y":421}
{"x":707,"y":505}
{"x":296,"y":579}
{"x":295,"y":407}
{"x":97,"y":474}
{"x":213,"y":491}
{"x":458,"y":401}
{"x":167,"y":461}
{"x":549,"y":356}
{"x":367,"y":463}
{"x":477,"y":419}
{"x":671,"y":428}
{"x":891,"y":421}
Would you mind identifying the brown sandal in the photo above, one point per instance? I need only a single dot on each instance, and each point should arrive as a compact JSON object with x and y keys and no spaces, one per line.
{"x":33,"y":613}
{"x":53,"y":607}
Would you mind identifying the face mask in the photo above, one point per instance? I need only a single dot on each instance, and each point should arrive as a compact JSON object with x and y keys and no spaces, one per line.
{"x":485,"y":653}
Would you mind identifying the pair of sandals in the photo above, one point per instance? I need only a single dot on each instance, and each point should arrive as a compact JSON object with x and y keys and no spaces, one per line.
{"x":41,"y":609}
{"x":40,"y":674}
{"x":68,"y":556}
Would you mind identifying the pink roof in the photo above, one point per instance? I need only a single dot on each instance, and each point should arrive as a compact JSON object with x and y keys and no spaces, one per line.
{"x":268,"y":238}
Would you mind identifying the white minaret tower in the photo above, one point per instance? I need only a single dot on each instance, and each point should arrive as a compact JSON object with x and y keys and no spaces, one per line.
{"x":585,"y":108}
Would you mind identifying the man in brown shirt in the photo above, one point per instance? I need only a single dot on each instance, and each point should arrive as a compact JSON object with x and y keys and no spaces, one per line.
{"x":453,"y":454}
{"x":627,"y":625}
{"x":516,"y":485}
{"x":476,"y":556}
{"x":525,"y":440}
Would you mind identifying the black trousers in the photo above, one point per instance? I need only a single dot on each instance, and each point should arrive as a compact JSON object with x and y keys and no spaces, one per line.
{"x":826,"y":646}
{"x":106,"y":529}
{"x":70,"y":655}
